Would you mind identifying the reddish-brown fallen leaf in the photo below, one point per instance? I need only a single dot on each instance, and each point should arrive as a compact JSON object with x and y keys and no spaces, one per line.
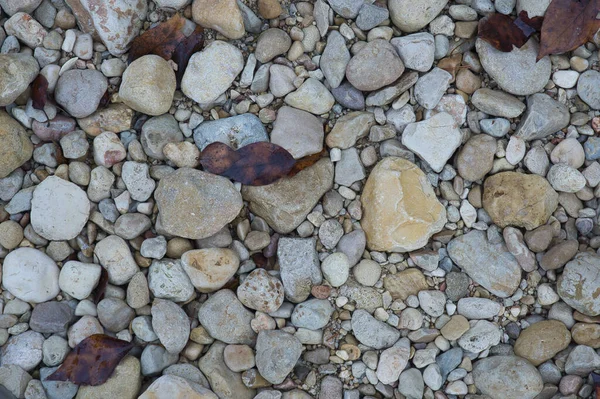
{"x":596,"y":379}
{"x":503,"y":33}
{"x":305,"y":162}
{"x":39,"y":92}
{"x":567,"y":25}
{"x":176,"y":39}
{"x":92,"y":361}
{"x":256,"y":164}
{"x":101,"y":287}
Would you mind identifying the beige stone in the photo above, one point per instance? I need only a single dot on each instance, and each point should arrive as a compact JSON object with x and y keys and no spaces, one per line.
{"x":211,"y":268}
{"x":148,"y":85}
{"x":517,"y":199}
{"x":407,"y":282}
{"x":455,"y":328}
{"x":174,"y":387}
{"x":586,"y":334}
{"x":269,"y":9}
{"x":400,"y":209}
{"x":224,"y":16}
{"x":542,"y":340}
{"x":15,"y":146}
{"x":114,"y":118}
{"x":349,"y":128}
{"x":124,"y":383}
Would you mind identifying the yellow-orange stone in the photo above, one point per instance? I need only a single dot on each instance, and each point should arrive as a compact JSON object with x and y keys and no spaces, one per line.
{"x":400,"y":209}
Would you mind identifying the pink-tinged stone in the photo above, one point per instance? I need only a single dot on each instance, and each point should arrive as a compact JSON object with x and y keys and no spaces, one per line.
{"x":26,"y":29}
{"x":108,"y":149}
{"x":54,"y":129}
{"x":115,"y":22}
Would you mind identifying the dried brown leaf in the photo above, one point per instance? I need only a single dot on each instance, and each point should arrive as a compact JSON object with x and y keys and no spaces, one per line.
{"x":503,"y":33}
{"x":39,"y":92}
{"x":92,"y":361}
{"x":567,"y":25}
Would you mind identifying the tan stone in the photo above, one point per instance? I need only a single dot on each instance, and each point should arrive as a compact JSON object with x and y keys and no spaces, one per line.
{"x":15,"y":146}
{"x":400,"y":209}
{"x":124,"y":383}
{"x":517,"y":199}
{"x":114,"y":118}
{"x":349,"y":128}
{"x":407,"y":282}
{"x":586,"y":334}
{"x":269,"y":9}
{"x":542,"y":340}
{"x":455,"y":328}
{"x":224,"y":16}
{"x":211,"y":268}
{"x":175,"y":387}
{"x":148,"y":85}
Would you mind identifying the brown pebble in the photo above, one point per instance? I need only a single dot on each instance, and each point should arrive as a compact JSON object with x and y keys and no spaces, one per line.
{"x":321,"y":291}
{"x":269,"y":9}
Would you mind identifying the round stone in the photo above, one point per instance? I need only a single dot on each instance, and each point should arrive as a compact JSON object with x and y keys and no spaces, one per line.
{"x":79,"y":91}
{"x":542,"y":340}
{"x":11,"y":234}
{"x":336,"y":268}
{"x":59,"y":209}
{"x":515,"y":377}
{"x":79,"y":279}
{"x":376,"y":65}
{"x":211,"y":268}
{"x":367,"y":272}
{"x":261,"y":291}
{"x":30,"y":275}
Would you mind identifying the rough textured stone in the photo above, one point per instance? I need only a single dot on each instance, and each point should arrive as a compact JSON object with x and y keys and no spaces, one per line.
{"x":376,"y":65}
{"x":226,"y":319}
{"x":515,"y":377}
{"x":578,"y":284}
{"x":17,"y":71}
{"x":411,"y":16}
{"x":372,"y":332}
{"x":276,"y":354}
{"x":488,"y":264}
{"x":15,"y":146}
{"x":224,"y":382}
{"x":195,"y":204}
{"x":224,"y":16}
{"x":517,"y":199}
{"x":400,"y":210}
{"x":175,"y":387}
{"x":285,"y":204}
{"x":544,"y":116}
{"x":542,"y":340}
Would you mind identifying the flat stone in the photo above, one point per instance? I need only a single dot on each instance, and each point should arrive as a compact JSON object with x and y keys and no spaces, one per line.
{"x":312,"y":97}
{"x":148,"y":85}
{"x":416,"y":50}
{"x":334,"y":59}
{"x":210,"y":269}
{"x":497,"y":103}
{"x":226,"y":319}
{"x":481,"y":336}
{"x":399,"y":224}
{"x":114,"y":118}
{"x":542,"y":340}
{"x":15,"y":146}
{"x":312,"y":314}
{"x":544,"y":116}
{"x":372,"y":332}
{"x":195,"y":204}
{"x":168,"y":280}
{"x":434,"y":140}
{"x":412,"y":16}
{"x":299,"y":265}
{"x":299,"y":132}
{"x":276,"y":354}
{"x":224,"y":382}
{"x":517,"y":72}
{"x":237,"y":131}
{"x":392,"y":362}
{"x":116,"y":22}
{"x":518,"y":199}
{"x":171,"y":324}
{"x":488,"y":264}
{"x":431,"y":87}
{"x":476,"y":158}
{"x":515,"y":377}
{"x":79,"y":91}
{"x":582,"y":360}
{"x":285,"y":203}
{"x":211,"y":71}
{"x":578,"y":283}
{"x":176,"y":388}
{"x":17,"y":71}
{"x":26,"y":29}
{"x":588,"y":88}
{"x":51,"y":317}
{"x":350,"y":128}
{"x":376,"y":65}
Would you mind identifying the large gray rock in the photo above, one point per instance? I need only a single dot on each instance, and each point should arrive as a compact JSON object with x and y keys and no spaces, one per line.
{"x":411,"y":16}
{"x":376,"y":65}
{"x":516,"y":72}
{"x":299,"y":265}
{"x":79,"y":91}
{"x":372,"y":332}
{"x":335,"y":58}
{"x":171,"y":324}
{"x":224,"y":382}
{"x":17,"y":71}
{"x":507,"y":377}
{"x":236,"y":131}
{"x":299,"y":132}
{"x":276,"y":354}
{"x":488,"y":264}
{"x":285,"y":203}
{"x":578,"y":284}
{"x":195,"y":204}
{"x":115,"y":22}
{"x":544,"y":116}
{"x":226,"y":319}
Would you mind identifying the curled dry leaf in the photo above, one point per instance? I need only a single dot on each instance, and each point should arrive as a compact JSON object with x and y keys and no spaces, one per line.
{"x":92,"y":361}
{"x":176,"y":39}
{"x":567,"y":25}
{"x":256,"y":164}
{"x":503,"y":33}
{"x":101,"y":287}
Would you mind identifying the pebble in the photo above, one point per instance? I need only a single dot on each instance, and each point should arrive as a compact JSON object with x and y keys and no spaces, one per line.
{"x":299,"y":132}
{"x":114,"y":314}
{"x":375,"y":66}
{"x":211,"y":202}
{"x":349,"y":129}
{"x":372,"y":332}
{"x":478,"y":308}
{"x":18,"y":71}
{"x":211,"y":268}
{"x":223,"y":16}
{"x":276,"y":354}
{"x":23,"y":350}
{"x":223,"y":381}
{"x":271,"y":43}
{"x":382,"y":217}
{"x":30,"y":275}
{"x":416,"y":51}
{"x":171,"y":384}
{"x":348,"y":96}
{"x":224,"y":305}
{"x":148,"y":85}
{"x":334,"y":59}
{"x":261,"y":291}
{"x":529,"y":346}
{"x":312,"y":97}
{"x":430,"y":87}
{"x":517,"y":72}
{"x":79,"y":279}
{"x":588,"y":88}
{"x":565,"y":178}
{"x":157,"y":132}
{"x":171,"y":325}
{"x":517,"y":377}
{"x":15,"y":148}
{"x":497,"y":103}
{"x":115,"y":256}
{"x":367,"y":272}
{"x":391,"y":363}
{"x":476,"y":158}
{"x":411,"y":17}
{"x":79,"y":92}
{"x":29,"y":31}
{"x":544,"y":116}
{"x":168,"y":280}
{"x":433,"y":140}
{"x":211,"y":71}
{"x":481,"y":336}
